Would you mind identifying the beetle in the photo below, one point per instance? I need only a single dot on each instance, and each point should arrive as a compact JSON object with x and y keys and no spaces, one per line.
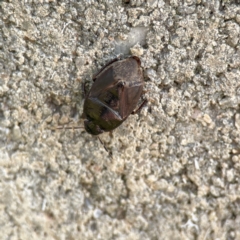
{"x":114,"y":95}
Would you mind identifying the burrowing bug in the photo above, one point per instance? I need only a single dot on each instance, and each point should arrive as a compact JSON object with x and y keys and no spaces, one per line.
{"x":114,"y":95}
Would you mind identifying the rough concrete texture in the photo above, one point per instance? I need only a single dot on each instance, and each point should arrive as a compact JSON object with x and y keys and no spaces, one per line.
{"x":175,"y":170}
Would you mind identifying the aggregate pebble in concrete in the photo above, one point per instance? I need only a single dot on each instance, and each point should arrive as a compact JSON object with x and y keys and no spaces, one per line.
{"x":175,"y":170}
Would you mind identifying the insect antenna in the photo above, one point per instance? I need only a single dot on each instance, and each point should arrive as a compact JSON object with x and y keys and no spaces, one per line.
{"x":70,"y":127}
{"x":63,"y":127}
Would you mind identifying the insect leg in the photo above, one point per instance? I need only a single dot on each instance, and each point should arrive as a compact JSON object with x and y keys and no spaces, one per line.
{"x":110,"y":154}
{"x":140,"y":107}
{"x":84,"y":90}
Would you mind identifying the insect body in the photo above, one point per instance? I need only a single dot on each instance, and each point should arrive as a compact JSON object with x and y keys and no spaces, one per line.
{"x":114,"y":95}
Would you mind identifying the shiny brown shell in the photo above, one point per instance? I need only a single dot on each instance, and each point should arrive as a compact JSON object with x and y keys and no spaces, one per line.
{"x":114,"y":95}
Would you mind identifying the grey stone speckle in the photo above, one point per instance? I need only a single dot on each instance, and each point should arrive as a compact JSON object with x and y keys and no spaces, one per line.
{"x":175,"y":167}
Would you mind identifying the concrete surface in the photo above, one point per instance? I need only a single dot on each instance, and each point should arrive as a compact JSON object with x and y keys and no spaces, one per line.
{"x":175,"y":170}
